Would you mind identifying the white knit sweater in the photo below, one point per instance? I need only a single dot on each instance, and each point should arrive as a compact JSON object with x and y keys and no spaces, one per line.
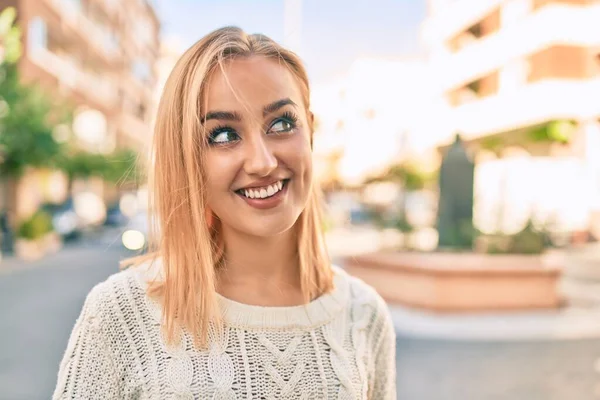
{"x":340,"y":346}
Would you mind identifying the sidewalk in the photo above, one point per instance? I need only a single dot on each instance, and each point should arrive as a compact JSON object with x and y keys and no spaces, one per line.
{"x":563,"y":324}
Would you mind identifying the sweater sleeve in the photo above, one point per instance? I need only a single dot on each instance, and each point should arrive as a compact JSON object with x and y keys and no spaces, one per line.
{"x":87,"y":370}
{"x":384,"y":377}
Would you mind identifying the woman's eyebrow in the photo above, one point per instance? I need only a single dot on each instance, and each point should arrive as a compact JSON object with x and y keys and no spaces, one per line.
{"x":234,"y":116}
{"x":221,"y":115}
{"x":276,"y":105}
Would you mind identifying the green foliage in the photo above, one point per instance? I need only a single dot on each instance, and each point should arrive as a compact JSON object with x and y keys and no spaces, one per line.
{"x":402,"y":224}
{"x":383,"y":219}
{"x":117,"y":167}
{"x":408,"y":174}
{"x":122,"y":167}
{"x":27,"y":114}
{"x":493,"y":143}
{"x":554,"y":131}
{"x":25,"y":126}
{"x":10,"y":36}
{"x":82,"y":164}
{"x":36,"y":226}
{"x":529,"y":240}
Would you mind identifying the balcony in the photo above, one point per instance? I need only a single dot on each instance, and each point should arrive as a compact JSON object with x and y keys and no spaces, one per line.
{"x":556,"y":24}
{"x":70,"y":75}
{"x":529,"y":105}
{"x":86,"y":29}
{"x":456,"y":17}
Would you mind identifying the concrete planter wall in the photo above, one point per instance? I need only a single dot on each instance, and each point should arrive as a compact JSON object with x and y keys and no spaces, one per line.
{"x":461,"y":282}
{"x":580,"y":281}
{"x":31,"y":250}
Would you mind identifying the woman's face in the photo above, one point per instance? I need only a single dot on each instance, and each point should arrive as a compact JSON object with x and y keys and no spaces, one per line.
{"x":258,"y":162}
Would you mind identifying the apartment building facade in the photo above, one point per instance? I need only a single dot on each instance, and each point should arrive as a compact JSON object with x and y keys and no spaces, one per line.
{"x":508,"y":67}
{"x":99,"y":55}
{"x":508,"y":64}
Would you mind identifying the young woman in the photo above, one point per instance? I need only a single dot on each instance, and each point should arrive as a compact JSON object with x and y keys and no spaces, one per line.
{"x":238,"y":299}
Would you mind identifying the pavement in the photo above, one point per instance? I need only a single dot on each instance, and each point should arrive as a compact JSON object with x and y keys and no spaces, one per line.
{"x":453,"y":358}
{"x":563,"y":324}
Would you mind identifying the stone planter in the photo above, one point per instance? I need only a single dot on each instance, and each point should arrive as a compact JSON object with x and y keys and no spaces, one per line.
{"x":580,"y":281}
{"x":461,"y":282}
{"x":29,"y":250}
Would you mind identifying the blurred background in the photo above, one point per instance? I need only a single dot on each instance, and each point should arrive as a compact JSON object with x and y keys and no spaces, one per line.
{"x":457,"y":143}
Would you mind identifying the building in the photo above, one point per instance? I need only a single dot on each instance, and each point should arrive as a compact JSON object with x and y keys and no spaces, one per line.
{"x":99,"y":55}
{"x":365,"y":115}
{"x":510,"y":71}
{"x":170,"y":50}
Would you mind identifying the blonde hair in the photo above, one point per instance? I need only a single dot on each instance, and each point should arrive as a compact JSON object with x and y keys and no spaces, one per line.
{"x":188,"y":245}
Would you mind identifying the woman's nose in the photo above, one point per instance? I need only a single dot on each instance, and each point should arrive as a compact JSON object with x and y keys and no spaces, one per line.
{"x":260,"y":159}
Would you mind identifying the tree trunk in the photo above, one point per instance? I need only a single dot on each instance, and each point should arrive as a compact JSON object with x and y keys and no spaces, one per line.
{"x":10,"y":200}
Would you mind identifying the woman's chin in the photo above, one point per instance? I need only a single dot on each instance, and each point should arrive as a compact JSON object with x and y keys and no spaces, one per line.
{"x":267,"y":226}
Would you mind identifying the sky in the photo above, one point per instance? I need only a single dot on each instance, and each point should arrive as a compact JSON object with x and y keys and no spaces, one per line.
{"x":334,"y":32}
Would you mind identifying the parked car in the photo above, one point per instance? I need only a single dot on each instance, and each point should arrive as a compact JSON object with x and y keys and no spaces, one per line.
{"x":115,"y":217}
{"x":65,"y":220}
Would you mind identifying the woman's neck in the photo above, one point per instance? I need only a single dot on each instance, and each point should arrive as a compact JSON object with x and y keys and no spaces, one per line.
{"x":261,"y":271}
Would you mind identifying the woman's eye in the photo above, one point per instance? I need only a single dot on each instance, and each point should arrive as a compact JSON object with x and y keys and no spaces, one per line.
{"x":223,"y":136}
{"x":281,"y":126}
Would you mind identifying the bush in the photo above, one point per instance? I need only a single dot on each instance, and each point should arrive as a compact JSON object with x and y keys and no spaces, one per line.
{"x":36,"y":226}
{"x":528,"y":241}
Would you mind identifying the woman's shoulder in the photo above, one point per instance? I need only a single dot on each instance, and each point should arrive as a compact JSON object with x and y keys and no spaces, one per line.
{"x":365,"y":301}
{"x":125,"y":286}
{"x":360,"y":291}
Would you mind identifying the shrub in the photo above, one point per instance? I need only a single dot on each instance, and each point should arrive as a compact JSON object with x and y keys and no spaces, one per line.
{"x":36,"y":226}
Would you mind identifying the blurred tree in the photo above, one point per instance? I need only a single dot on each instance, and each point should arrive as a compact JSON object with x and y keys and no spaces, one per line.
{"x":408,"y":174}
{"x":79,"y":164}
{"x":122,"y":167}
{"x":119,"y":167}
{"x":26,"y":125}
{"x":10,"y":37}
{"x":560,"y":131}
{"x":26,"y":140}
{"x":411,"y":177}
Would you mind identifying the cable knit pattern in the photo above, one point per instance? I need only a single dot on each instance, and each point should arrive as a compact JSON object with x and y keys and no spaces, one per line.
{"x":340,"y":346}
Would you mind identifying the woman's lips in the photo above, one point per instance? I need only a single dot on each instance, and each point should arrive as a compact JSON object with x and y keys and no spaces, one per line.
{"x":261,"y":202}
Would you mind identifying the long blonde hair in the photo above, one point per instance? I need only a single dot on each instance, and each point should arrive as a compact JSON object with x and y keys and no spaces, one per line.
{"x":188,"y":245}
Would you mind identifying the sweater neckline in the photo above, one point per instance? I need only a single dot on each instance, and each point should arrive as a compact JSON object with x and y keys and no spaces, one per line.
{"x":318,"y":312}
{"x":240,"y":315}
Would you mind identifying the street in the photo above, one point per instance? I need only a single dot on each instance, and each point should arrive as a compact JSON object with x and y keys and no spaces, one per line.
{"x":40,"y":301}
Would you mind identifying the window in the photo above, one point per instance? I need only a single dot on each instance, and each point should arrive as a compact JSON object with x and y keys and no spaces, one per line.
{"x":37,"y":34}
{"x":141,"y":70}
{"x":141,"y":111}
{"x":74,"y":5}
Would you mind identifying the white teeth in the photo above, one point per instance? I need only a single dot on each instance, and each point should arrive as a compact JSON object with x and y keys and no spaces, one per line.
{"x":265,"y":192}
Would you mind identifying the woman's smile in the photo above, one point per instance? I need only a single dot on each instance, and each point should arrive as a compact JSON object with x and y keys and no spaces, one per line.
{"x":265,"y":197}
